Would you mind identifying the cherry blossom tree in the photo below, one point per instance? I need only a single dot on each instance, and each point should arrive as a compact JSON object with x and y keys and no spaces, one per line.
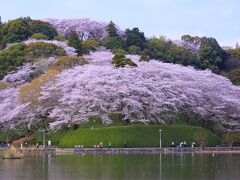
{"x":146,"y":93}
{"x":85,"y":28}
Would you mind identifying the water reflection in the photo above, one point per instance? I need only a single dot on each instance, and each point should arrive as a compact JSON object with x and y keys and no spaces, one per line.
{"x":104,"y":167}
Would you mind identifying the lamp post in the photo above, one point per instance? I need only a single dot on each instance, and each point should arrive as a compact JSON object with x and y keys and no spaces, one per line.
{"x":160,"y":136}
{"x":44,"y":137}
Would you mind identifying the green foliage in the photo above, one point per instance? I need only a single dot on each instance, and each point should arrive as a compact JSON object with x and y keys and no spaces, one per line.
{"x":44,"y":28}
{"x":134,"y":49}
{"x":1,"y":38}
{"x":74,"y":41}
{"x":234,"y":76}
{"x":91,"y":44}
{"x":120,"y":60}
{"x":55,"y":137}
{"x":17,"y":30}
{"x":11,"y":58}
{"x":233,"y":60}
{"x":114,"y":42}
{"x":211,"y":55}
{"x":22,"y":28}
{"x":11,"y":135}
{"x":39,"y":36}
{"x":231,"y":138}
{"x":43,"y":50}
{"x":135,"y":135}
{"x":119,"y":51}
{"x":201,"y":138}
{"x":60,"y":38}
{"x":166,"y":51}
{"x":135,"y":38}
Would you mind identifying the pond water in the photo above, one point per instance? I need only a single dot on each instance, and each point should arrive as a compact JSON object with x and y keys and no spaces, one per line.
{"x":130,"y":167}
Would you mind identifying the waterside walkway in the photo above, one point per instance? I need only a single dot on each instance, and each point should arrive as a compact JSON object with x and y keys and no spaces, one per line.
{"x":216,"y":150}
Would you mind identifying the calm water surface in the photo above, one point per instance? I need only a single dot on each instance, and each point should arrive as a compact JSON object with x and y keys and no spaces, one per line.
{"x":131,"y":167}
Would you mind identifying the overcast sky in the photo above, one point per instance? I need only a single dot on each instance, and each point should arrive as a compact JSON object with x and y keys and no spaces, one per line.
{"x":171,"y":18}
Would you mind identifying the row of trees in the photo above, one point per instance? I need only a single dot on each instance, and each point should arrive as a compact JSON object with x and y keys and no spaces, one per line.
{"x":230,"y":138}
{"x":210,"y":54}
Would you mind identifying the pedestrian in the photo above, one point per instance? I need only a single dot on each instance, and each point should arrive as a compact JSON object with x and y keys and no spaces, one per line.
{"x":109,"y":145}
{"x":101,"y":145}
{"x":125,"y":144}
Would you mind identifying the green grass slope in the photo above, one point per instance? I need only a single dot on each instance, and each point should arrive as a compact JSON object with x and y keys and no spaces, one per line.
{"x":135,"y":135}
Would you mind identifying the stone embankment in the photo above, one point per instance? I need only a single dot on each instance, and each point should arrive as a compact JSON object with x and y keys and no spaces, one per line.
{"x":127,"y":150}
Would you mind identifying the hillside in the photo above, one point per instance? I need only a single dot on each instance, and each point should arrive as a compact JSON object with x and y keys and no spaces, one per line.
{"x":82,"y":72}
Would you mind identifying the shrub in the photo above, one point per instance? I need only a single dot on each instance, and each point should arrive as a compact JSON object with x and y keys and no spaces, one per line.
{"x":134,"y":49}
{"x":119,"y":51}
{"x":231,"y":138}
{"x":201,"y":138}
{"x":120,"y":60}
{"x":39,"y":36}
{"x":91,"y":44}
{"x":43,"y":50}
{"x":234,"y":76}
{"x":60,"y":38}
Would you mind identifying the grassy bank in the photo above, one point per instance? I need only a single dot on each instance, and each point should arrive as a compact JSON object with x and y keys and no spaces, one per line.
{"x":136,"y":136}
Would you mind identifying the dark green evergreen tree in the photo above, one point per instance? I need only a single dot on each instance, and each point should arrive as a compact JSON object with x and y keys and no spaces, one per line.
{"x":112,"y":30}
{"x":135,"y":38}
{"x":211,"y":55}
{"x":44,"y":28}
{"x":74,"y":41}
{"x":113,"y":40}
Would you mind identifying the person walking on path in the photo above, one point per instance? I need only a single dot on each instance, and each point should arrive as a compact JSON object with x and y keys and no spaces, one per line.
{"x":125,"y":144}
{"x":101,"y":145}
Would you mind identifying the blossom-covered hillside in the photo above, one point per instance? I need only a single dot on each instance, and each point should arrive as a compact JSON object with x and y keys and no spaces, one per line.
{"x":152,"y":92}
{"x":64,"y":72}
